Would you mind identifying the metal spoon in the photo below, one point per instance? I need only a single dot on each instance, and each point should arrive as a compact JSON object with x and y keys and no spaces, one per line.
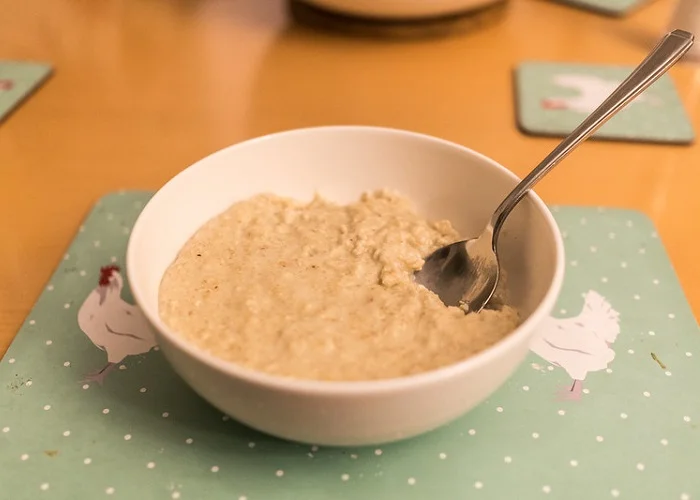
{"x":466,"y":273}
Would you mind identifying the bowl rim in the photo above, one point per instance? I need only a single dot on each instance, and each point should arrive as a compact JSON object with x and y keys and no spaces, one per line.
{"x":348,"y":388}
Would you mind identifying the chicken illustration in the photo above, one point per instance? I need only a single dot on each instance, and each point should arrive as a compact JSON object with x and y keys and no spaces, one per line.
{"x":580,"y":344}
{"x":592,"y":91}
{"x":112,"y":324}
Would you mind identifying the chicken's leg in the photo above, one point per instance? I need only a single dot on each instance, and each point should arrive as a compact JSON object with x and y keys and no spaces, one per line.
{"x":99,"y":376}
{"x":572,"y":393}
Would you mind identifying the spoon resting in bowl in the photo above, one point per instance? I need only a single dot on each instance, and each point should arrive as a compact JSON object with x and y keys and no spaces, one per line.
{"x":466,"y":273}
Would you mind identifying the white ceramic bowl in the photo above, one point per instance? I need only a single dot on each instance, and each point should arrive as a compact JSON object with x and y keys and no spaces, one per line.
{"x":444,"y":180}
{"x":400,"y":9}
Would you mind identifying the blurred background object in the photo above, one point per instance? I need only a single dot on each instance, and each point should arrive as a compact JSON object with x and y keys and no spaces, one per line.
{"x":400,"y":9}
{"x":397,"y":19}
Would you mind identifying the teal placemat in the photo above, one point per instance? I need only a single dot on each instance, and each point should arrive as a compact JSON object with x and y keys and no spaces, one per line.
{"x":627,"y":428}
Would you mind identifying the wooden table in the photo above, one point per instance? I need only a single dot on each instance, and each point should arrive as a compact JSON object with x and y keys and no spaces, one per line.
{"x":143,"y":89}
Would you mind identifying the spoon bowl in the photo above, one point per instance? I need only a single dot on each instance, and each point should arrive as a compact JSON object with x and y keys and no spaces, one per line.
{"x":463,"y":273}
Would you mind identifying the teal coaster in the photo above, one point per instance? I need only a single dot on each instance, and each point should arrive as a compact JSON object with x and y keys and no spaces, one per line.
{"x":17,"y":81}
{"x":609,"y":7}
{"x":553,"y":98}
{"x":604,"y":407}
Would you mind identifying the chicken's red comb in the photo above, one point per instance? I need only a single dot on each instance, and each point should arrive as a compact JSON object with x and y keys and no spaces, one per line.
{"x":106,"y":273}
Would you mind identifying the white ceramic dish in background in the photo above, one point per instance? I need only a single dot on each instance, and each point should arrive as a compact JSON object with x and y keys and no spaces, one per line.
{"x":444,"y":180}
{"x":400,"y":9}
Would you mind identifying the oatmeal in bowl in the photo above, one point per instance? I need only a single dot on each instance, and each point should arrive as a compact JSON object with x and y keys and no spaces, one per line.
{"x":322,"y":291}
{"x":278,"y":274}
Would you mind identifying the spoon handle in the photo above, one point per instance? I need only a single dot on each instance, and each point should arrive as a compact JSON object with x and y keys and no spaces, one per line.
{"x":666,"y":53}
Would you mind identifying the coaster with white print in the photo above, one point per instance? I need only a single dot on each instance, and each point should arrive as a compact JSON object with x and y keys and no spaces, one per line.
{"x":552,"y":99}
{"x":603,"y":407}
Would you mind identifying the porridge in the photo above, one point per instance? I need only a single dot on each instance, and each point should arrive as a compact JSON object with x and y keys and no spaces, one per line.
{"x":321,"y":291}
